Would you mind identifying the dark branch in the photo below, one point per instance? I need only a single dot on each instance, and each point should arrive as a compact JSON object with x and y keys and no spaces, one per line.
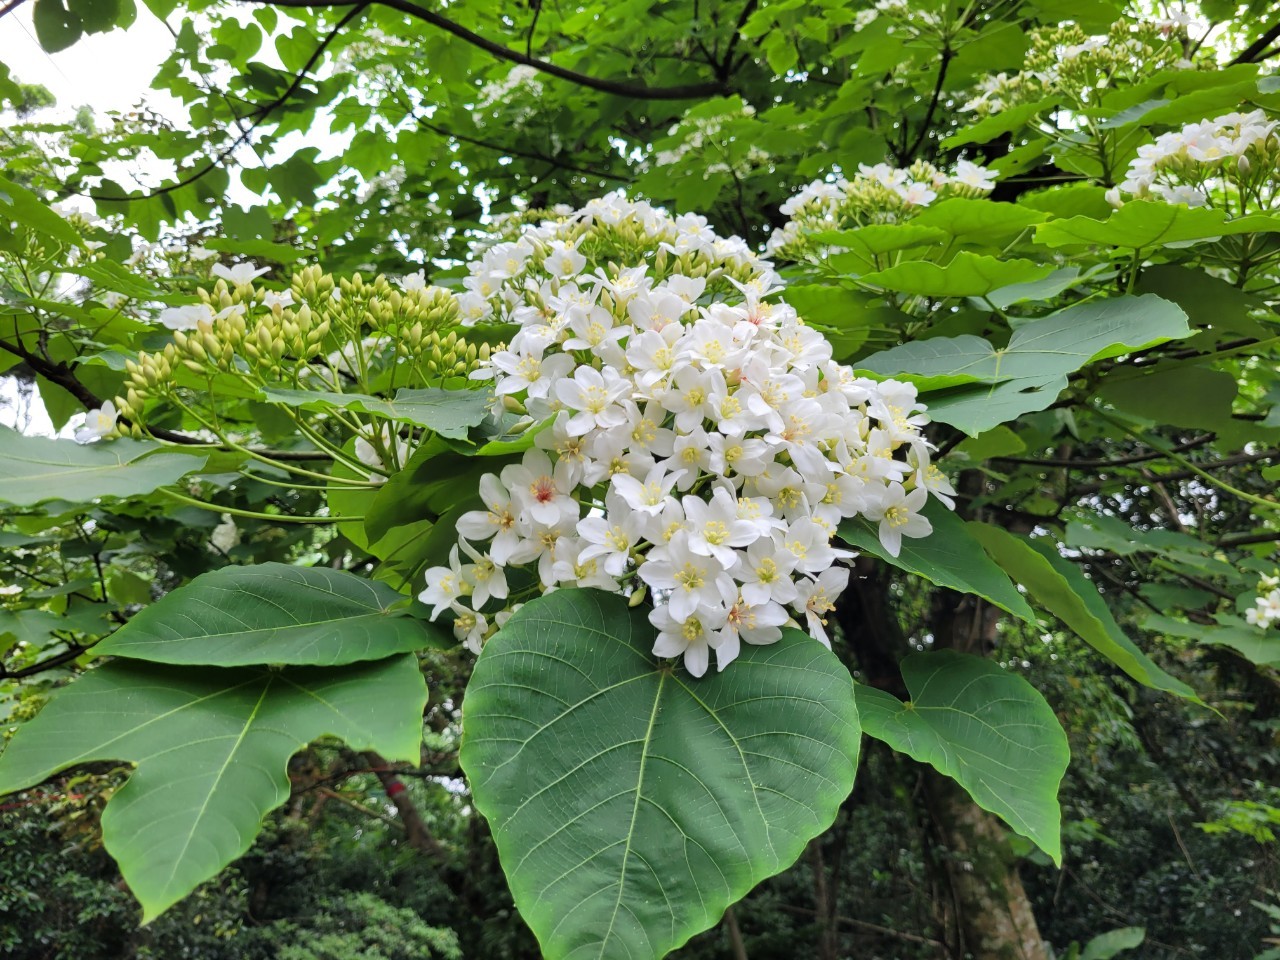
{"x":1105,"y":463}
{"x":1252,"y":53}
{"x":933,"y":105}
{"x":726,"y":67}
{"x":555,"y":162}
{"x":11,"y":6}
{"x":63,"y":376}
{"x":693,"y":91}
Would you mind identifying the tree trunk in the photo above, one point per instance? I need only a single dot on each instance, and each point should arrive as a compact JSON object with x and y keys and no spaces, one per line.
{"x":993,"y":917}
{"x":987,"y":915}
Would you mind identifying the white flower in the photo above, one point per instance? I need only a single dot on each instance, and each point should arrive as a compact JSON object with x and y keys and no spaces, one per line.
{"x":241,"y":274}
{"x":692,"y":580}
{"x":226,"y":535}
{"x":186,"y":317}
{"x":691,"y":637}
{"x":817,"y":598}
{"x":97,"y":423}
{"x":444,"y":585}
{"x":969,"y":174}
{"x":898,"y":513}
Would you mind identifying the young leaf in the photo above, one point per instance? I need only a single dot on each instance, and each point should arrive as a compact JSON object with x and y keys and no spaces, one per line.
{"x":1058,"y":586}
{"x":212,"y":748}
{"x":949,"y":557}
{"x":632,"y":804}
{"x":966,"y":275}
{"x":987,"y":729}
{"x":273,"y":613}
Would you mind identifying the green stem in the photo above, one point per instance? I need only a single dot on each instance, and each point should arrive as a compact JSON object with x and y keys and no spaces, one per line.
{"x":251,"y":514}
{"x":1188,"y":465}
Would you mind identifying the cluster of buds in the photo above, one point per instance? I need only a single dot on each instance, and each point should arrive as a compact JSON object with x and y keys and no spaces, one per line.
{"x":1068,"y":63}
{"x":1230,"y":160}
{"x":876,"y":194}
{"x":320,"y":333}
{"x":451,"y":356}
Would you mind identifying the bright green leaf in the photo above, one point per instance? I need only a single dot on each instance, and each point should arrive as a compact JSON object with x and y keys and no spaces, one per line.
{"x":949,"y":557}
{"x":967,"y":275}
{"x":35,"y":469}
{"x":212,"y":747}
{"x":987,"y":729}
{"x":273,"y":613}
{"x":1057,"y":586}
{"x":631,"y":803}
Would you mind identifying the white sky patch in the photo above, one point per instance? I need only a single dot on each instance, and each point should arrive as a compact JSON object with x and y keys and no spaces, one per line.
{"x":105,"y":71}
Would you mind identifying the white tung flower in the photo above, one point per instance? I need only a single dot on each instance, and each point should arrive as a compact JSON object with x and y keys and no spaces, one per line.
{"x":98,"y":423}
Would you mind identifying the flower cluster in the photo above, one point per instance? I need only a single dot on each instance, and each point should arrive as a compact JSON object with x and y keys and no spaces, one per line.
{"x":1231,"y":159}
{"x":717,"y":140}
{"x":1266,"y":608}
{"x":877,"y":194}
{"x":696,"y":444}
{"x":517,"y":91}
{"x":1064,"y":62}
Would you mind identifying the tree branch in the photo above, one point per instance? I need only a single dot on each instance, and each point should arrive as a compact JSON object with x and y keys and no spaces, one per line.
{"x":693,"y":91}
{"x":1105,"y":463}
{"x":63,"y":376}
{"x":512,"y":151}
{"x":260,"y":116}
{"x":1250,"y":54}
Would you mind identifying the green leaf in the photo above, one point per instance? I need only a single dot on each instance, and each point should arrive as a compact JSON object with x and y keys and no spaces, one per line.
{"x":630,"y":803}
{"x":1150,"y":223}
{"x":997,"y":442}
{"x":57,"y":25}
{"x":1039,"y":290}
{"x":212,"y":747}
{"x":1035,"y":364}
{"x":1057,"y":586}
{"x":1253,"y":643}
{"x":34,"y":470}
{"x":967,"y":275}
{"x":1177,"y":395}
{"x":984,"y":222}
{"x":996,"y":125}
{"x":861,"y":246}
{"x":1059,"y":344}
{"x":1107,"y":945}
{"x":987,"y":729}
{"x":29,"y":210}
{"x":949,"y":557}
{"x":273,"y":613}
{"x":36,"y":627}
{"x":448,"y":412}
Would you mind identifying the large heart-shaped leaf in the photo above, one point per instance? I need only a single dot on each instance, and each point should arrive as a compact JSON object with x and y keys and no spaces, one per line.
{"x":986,"y":728}
{"x":274,"y":613}
{"x":987,"y":385}
{"x":36,"y":469}
{"x":631,"y":804}
{"x":211,"y":747}
{"x":949,"y":557}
